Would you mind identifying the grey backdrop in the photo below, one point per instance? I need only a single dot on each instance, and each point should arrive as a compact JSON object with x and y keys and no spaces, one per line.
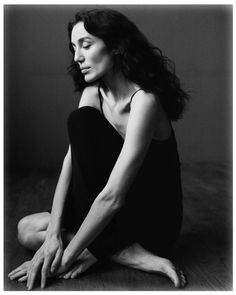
{"x":39,"y":94}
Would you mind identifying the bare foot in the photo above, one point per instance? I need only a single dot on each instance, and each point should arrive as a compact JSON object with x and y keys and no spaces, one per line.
{"x":83,"y":262}
{"x":137,"y":257}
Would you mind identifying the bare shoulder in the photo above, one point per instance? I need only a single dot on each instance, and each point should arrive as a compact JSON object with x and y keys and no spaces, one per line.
{"x":147,"y":107}
{"x":145,"y":101}
{"x":89,"y":97}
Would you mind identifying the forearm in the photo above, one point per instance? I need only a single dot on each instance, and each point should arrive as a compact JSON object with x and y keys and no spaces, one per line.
{"x":100,"y":214}
{"x":139,"y":133}
{"x":60,"y":196}
{"x":105,"y":206}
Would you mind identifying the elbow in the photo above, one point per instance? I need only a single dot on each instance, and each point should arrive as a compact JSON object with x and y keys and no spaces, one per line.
{"x":111,"y":200}
{"x":116,"y":205}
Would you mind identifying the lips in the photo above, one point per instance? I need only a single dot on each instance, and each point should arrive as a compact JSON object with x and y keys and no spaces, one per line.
{"x":85,"y":69}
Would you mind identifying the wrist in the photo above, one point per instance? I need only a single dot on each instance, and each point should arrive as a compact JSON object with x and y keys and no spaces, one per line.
{"x":53,"y":232}
{"x":69,"y":256}
{"x":54,"y":225}
{"x":66,"y":261}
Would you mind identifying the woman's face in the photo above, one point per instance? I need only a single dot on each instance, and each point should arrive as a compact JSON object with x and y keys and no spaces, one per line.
{"x":91,"y":53}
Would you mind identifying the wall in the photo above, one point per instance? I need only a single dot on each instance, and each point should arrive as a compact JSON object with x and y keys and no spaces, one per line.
{"x":39,"y":94}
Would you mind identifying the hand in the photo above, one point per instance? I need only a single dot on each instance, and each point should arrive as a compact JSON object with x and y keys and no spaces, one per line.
{"x":20,"y":273}
{"x":47,"y":258}
{"x":82,"y":263}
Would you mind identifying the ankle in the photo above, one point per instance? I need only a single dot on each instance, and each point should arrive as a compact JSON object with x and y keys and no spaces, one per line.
{"x":133,"y":256}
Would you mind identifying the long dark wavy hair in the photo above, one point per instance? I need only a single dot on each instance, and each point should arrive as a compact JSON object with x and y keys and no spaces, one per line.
{"x":139,"y":61}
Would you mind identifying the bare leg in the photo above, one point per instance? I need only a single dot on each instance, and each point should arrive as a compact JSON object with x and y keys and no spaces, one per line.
{"x":32,"y":231}
{"x":137,"y":257}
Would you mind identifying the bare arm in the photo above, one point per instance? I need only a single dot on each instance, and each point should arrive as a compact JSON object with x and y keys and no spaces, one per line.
{"x":50,"y":253}
{"x":140,"y":130}
{"x":60,"y":196}
{"x":65,"y":176}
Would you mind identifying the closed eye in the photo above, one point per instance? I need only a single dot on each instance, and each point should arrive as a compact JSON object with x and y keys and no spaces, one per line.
{"x":86,"y":46}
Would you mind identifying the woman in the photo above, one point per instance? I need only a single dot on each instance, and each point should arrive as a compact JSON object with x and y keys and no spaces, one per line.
{"x":119,"y":193}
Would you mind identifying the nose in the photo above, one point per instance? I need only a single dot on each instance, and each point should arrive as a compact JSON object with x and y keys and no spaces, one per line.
{"x":78,"y":57}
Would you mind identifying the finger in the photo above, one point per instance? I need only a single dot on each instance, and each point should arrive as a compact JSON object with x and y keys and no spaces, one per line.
{"x":32,"y":274}
{"x":22,"y":279}
{"x":31,"y":279}
{"x":18,"y":274}
{"x":56,"y":260}
{"x":68,"y":275}
{"x":44,"y":271}
{"x":15,"y":270}
{"x":77,"y":272}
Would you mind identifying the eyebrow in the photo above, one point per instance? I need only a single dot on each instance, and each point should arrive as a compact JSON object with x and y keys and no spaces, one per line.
{"x":81,"y":40}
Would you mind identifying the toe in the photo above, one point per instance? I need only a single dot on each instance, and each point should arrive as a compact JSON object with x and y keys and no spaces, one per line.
{"x":183,"y":280}
{"x":174,"y":277}
{"x":177,"y":276}
{"x":169,"y":270}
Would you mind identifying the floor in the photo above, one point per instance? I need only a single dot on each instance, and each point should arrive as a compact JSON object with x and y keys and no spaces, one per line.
{"x":204,"y":250}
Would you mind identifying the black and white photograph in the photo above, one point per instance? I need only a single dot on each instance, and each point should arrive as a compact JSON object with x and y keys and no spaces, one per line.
{"x":118,"y":147}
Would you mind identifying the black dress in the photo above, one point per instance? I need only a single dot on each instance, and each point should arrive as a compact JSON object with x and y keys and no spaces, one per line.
{"x":152,"y":212}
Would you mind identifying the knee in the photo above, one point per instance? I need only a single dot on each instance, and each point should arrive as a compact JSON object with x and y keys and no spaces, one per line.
{"x":25,"y":228}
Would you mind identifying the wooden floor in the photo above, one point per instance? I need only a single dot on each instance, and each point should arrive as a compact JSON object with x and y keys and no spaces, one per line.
{"x":204,"y":250}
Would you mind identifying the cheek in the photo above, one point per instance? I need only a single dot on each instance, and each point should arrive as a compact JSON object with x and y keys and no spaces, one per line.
{"x":102,"y":59}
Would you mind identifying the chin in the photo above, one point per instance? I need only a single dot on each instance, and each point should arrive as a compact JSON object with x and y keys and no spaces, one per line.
{"x":91,"y":78}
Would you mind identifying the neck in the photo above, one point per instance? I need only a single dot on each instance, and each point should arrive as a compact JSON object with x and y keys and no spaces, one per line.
{"x":116,"y":86}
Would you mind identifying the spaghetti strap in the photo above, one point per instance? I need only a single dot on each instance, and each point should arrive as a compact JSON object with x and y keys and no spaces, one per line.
{"x":100,"y":100}
{"x":134,"y":94}
{"x":95,"y":148}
